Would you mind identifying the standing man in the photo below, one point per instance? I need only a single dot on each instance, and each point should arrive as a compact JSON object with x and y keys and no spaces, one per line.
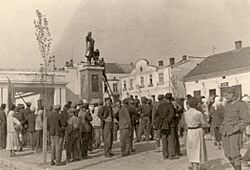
{"x":53,"y":128}
{"x":106,"y":115}
{"x":31,"y":132}
{"x":145,"y":112}
{"x":3,"y":126}
{"x":125,"y":128}
{"x":236,"y":118}
{"x":116,"y":109}
{"x":155,"y":126}
{"x":164,"y":115}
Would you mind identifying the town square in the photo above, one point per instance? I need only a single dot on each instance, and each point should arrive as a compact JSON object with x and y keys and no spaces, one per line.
{"x":125,"y":84}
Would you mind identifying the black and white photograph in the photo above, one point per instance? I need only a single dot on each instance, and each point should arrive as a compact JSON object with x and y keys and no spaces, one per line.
{"x":125,"y":85}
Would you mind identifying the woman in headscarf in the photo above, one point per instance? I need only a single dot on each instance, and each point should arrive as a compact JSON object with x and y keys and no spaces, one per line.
{"x":195,"y":141}
{"x":13,"y":125}
{"x":217,"y":113}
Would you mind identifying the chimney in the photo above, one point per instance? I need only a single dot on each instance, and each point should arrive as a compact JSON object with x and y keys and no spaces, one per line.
{"x":160,"y":63}
{"x":238,"y":45}
{"x":184,"y":57}
{"x":171,"y":61}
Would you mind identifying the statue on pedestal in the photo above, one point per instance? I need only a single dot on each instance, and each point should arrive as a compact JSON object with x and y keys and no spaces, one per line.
{"x":90,"y":42}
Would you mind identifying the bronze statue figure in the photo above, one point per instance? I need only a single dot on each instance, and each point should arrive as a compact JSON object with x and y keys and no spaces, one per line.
{"x":90,"y":42}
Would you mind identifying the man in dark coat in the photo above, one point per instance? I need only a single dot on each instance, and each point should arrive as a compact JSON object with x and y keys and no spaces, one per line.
{"x":106,"y":115}
{"x":3,"y":126}
{"x":236,"y":118}
{"x":156,"y":129}
{"x":134,"y":117}
{"x":56,"y":135}
{"x":125,"y":128}
{"x":164,"y":115}
{"x":31,"y":132}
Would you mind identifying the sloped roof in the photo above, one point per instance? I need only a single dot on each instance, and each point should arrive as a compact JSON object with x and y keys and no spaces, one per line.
{"x":223,"y":62}
{"x":116,"y":68}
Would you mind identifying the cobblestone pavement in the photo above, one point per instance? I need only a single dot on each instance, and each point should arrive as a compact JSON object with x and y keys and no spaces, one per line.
{"x":146,"y":157}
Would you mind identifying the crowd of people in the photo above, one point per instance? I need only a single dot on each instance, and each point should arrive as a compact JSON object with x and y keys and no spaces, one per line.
{"x":81,"y":127}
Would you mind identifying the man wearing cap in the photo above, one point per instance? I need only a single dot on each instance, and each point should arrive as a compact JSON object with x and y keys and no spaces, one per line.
{"x":155,"y":126}
{"x":53,"y":127}
{"x":31,"y":132}
{"x":236,"y":118}
{"x":106,"y":115}
{"x":164,"y":115}
{"x":72,"y":133}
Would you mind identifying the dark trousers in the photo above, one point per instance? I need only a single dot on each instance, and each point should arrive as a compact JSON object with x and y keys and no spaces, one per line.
{"x":39,"y":139}
{"x":157,"y":137}
{"x":217,"y":134}
{"x":108,"y":138}
{"x":31,"y":139}
{"x":115,"y":130}
{"x":168,"y":147}
{"x":125,"y":141}
{"x":85,"y":139}
{"x":72,"y":145}
{"x":135,"y":129}
{"x":176,"y":140}
{"x":56,"y":148}
{"x":232,"y":146}
{"x":144,"y":128}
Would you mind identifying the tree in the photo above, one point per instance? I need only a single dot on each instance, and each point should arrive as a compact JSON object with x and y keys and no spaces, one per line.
{"x":44,"y":40}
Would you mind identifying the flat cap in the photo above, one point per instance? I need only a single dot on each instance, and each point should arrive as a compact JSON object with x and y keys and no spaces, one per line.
{"x":57,"y":107}
{"x":28,"y":104}
{"x":169,"y":96}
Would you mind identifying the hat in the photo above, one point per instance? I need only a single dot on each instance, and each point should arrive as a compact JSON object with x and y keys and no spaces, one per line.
{"x":80,"y":102}
{"x":32,"y":109}
{"x":28,"y":104}
{"x":71,"y":110}
{"x":169,"y":96}
{"x":160,"y":97}
{"x":57,"y":107}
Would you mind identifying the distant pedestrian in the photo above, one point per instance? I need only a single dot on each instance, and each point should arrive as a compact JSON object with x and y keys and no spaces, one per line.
{"x":13,"y":125}
{"x":144,"y":127}
{"x":195,"y":141}
{"x":3,"y":126}
{"x":236,"y":118}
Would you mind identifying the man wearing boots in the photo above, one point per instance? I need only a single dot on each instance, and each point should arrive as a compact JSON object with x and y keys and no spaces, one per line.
{"x":236,"y":119}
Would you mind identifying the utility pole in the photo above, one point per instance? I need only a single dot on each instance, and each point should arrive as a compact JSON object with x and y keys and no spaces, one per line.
{"x":214,"y":48}
{"x":44,"y":41}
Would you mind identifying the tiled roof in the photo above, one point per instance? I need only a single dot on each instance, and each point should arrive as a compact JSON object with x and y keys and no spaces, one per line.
{"x":119,"y":68}
{"x":227,"y":61}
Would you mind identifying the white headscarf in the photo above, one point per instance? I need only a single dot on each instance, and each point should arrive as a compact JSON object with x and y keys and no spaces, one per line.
{"x":217,"y":102}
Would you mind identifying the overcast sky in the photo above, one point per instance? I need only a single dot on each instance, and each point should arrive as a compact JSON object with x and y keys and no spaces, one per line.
{"x":124,"y":30}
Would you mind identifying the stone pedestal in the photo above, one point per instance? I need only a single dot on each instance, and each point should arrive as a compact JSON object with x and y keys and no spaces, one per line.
{"x":91,"y":83}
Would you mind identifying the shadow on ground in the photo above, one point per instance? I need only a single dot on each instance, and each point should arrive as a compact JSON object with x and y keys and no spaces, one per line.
{"x":215,"y":164}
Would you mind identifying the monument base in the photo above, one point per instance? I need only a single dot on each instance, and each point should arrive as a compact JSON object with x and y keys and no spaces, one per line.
{"x":91,"y":83}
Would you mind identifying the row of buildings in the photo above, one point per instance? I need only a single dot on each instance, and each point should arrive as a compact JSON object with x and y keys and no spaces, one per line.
{"x":198,"y":76}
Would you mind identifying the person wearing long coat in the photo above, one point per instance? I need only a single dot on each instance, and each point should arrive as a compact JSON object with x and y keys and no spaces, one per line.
{"x":195,"y":141}
{"x":217,"y":113}
{"x":3,"y":126}
{"x":13,"y":125}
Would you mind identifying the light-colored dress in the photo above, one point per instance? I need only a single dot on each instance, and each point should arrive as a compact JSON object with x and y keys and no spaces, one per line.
{"x":12,"y":138}
{"x":195,"y":141}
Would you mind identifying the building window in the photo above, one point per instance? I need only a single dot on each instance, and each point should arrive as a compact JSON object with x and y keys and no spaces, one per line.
{"x":115,"y":88}
{"x":141,"y":70}
{"x":150,"y":80}
{"x":142,"y":81}
{"x":197,"y":93}
{"x":161,"y":78}
{"x":124,"y":85}
{"x":131,"y":84}
{"x":212,"y":92}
